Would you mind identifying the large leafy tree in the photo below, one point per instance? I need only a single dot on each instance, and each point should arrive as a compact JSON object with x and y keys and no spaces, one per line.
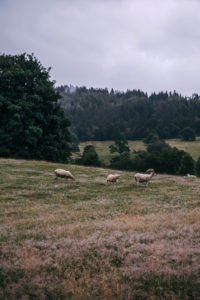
{"x":32,"y":124}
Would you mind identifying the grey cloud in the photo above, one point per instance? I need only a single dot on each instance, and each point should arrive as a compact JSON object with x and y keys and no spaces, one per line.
{"x":125,"y":44}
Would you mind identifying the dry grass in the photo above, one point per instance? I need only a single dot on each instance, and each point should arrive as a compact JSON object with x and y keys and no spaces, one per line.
{"x":92,"y":240}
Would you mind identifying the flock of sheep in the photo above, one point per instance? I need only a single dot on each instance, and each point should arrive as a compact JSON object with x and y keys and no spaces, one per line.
{"x":139,"y":177}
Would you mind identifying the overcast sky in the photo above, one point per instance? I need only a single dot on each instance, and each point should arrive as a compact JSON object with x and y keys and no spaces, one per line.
{"x":151,"y":45}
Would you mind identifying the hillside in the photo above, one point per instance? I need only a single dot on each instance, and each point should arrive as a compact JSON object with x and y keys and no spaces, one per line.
{"x":94,"y":240}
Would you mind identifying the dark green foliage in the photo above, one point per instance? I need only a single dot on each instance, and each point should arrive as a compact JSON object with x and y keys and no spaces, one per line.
{"x":108,"y":115}
{"x":158,"y":146}
{"x":74,"y":142}
{"x":155,"y":144}
{"x":32,"y":124}
{"x":159,"y":156}
{"x":188,"y":134}
{"x":170,"y":160}
{"x":186,"y":165}
{"x":121,"y":145}
{"x":150,"y":138}
{"x":89,"y":157}
{"x":122,"y":160}
{"x":198,"y":167}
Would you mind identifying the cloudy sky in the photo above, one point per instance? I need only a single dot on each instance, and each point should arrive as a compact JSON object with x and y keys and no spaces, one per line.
{"x":151,"y":45}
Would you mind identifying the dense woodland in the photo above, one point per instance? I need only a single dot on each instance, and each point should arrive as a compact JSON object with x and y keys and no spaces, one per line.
{"x":99,"y":114}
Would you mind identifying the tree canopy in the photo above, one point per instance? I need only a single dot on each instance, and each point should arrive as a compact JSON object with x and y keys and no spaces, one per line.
{"x":97,"y":114}
{"x":32,"y":123}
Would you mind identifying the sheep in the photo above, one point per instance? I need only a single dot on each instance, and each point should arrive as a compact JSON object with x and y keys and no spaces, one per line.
{"x":143,"y":177}
{"x":150,"y":171}
{"x":112,"y":177}
{"x":64,"y":174}
{"x":191,"y":176}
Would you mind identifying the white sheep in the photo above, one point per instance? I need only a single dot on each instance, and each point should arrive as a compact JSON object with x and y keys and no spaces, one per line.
{"x":139,"y":177}
{"x":191,"y":176}
{"x":112,"y":177}
{"x":64,"y":174}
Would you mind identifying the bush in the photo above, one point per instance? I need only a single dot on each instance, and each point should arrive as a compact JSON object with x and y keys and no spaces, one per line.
{"x":89,"y":157}
{"x":158,"y":146}
{"x":188,"y":134}
{"x":122,"y":162}
{"x":198,"y":167}
{"x":170,"y":160}
{"x":187,"y":165}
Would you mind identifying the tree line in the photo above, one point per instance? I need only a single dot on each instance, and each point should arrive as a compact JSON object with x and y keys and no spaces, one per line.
{"x":99,"y":114}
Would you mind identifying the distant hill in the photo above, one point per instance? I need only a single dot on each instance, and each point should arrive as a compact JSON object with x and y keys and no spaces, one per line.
{"x":99,"y":114}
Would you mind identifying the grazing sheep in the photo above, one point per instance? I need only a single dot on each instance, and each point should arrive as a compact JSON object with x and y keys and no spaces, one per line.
{"x":143,"y":177}
{"x":150,"y":171}
{"x":64,"y":174}
{"x":191,"y":176}
{"x":112,"y":177}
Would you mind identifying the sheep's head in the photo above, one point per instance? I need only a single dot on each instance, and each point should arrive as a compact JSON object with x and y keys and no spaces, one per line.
{"x":153,"y":174}
{"x":151,"y":171}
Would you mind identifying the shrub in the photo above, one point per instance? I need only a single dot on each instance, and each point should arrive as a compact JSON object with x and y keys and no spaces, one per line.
{"x":89,"y":157}
{"x":188,"y":134}
{"x":186,"y":165}
{"x":198,"y":167}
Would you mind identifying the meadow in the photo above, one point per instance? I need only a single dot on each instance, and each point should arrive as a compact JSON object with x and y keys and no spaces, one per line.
{"x":102,"y":148}
{"x":92,"y":240}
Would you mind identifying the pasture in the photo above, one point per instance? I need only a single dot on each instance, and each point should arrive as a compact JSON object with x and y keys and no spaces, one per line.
{"x":92,"y":240}
{"x":102,"y":148}
{"x":103,"y":151}
{"x":193,"y":148}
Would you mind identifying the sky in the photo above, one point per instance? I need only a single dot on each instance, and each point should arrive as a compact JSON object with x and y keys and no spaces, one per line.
{"x":151,"y":45}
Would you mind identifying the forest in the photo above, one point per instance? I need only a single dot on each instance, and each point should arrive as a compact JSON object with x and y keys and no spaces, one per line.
{"x":99,"y":114}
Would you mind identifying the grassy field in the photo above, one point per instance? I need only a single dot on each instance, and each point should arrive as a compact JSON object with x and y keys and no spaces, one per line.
{"x":191,"y":147}
{"x":103,"y":151}
{"x":92,"y":240}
